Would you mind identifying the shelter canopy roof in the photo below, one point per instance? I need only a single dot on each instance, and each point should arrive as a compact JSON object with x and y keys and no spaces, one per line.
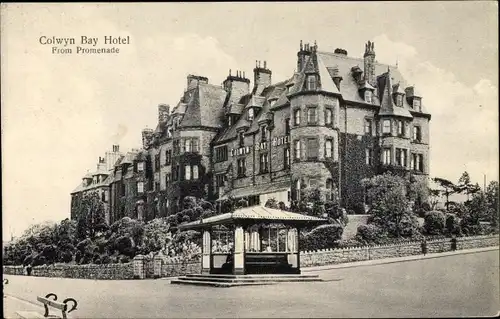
{"x":255,"y":214}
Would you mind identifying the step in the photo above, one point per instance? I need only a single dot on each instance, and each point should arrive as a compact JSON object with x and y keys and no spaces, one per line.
{"x":254,"y":279}
{"x":263,"y":276}
{"x":218,"y":284}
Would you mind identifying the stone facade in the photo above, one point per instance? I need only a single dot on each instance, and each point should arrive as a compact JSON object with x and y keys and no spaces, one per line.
{"x":336,"y":120}
{"x":344,"y":255}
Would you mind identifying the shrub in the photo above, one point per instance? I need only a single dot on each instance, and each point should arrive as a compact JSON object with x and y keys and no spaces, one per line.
{"x":452,"y":225}
{"x":186,"y":218}
{"x":123,"y":244}
{"x":105,"y":259}
{"x":66,"y":256}
{"x":371,"y":234}
{"x":324,"y":236}
{"x":124,"y":259}
{"x":272,"y":203}
{"x":81,"y":246}
{"x":39,"y":260}
{"x":434,"y":223}
{"x":281,"y":206}
{"x":28,"y":260}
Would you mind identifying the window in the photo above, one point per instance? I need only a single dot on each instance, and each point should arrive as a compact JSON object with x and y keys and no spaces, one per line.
{"x":417,"y":104}
{"x":286,"y":158}
{"x":157,"y":186}
{"x":417,"y":134}
{"x":106,"y":196}
{"x":250,"y":114}
{"x":399,"y":100}
{"x":229,"y":120}
{"x":195,"y":171}
{"x":140,"y":166}
{"x":328,"y":116}
{"x":191,"y":145}
{"x":287,"y":126}
{"x":386,"y":156}
{"x":241,"y":167}
{"x":311,"y":83}
{"x":263,"y":133}
{"x":296,"y":117}
{"x":241,"y":139}
{"x":417,"y":162}
{"x":328,"y":148}
{"x":297,"y":149}
{"x":400,"y":128}
{"x":368,"y":96}
{"x":219,"y":180}
{"x":312,"y":148}
{"x":140,"y":187}
{"x":311,"y":115}
{"x":168,"y":158}
{"x":401,"y":157}
{"x":187,"y":172}
{"x":264,"y":161}
{"x":221,"y":153}
{"x":386,"y":128}
{"x":368,"y":126}
{"x":103,"y":196}
{"x":329,"y":189}
{"x":369,"y":156}
{"x":175,"y":173}
{"x":167,"y":181}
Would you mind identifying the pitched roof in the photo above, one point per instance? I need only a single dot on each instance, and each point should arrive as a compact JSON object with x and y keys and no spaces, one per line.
{"x":206,"y":107}
{"x":387,"y":105}
{"x":255,"y":213}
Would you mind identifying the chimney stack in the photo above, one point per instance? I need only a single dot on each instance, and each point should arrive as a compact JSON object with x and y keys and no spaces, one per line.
{"x":369,"y":59}
{"x":262,"y":78}
{"x":163,"y":112}
{"x":147,"y":138}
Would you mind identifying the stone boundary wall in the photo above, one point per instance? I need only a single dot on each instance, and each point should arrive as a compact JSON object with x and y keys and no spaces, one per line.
{"x":352,"y":254}
{"x":90,"y":271}
{"x":161,"y":266}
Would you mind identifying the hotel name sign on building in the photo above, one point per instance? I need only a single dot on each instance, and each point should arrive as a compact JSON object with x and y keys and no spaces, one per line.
{"x":277,"y":141}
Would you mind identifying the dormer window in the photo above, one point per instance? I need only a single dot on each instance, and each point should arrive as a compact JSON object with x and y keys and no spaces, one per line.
{"x":368,"y":96}
{"x":241,"y":139}
{"x":271,"y":103}
{"x":250,"y":114}
{"x":140,"y":166}
{"x":399,"y":100}
{"x":416,"y":104}
{"x":229,"y":120}
{"x":311,"y":83}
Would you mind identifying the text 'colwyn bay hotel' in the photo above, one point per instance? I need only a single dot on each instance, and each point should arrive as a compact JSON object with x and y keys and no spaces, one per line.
{"x":337,"y":120}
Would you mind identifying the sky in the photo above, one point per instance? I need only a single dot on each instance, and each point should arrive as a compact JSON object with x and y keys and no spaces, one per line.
{"x":61,"y":112}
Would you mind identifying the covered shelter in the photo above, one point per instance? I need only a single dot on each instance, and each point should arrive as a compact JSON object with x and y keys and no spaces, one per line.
{"x":252,"y":240}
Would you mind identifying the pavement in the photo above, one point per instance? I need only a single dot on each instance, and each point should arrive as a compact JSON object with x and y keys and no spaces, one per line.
{"x":460,"y":284}
{"x":397,"y":259}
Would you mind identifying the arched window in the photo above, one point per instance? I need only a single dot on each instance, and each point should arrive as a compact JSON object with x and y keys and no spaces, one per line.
{"x":368,"y":96}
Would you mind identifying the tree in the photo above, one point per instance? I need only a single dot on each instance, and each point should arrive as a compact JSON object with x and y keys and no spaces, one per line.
{"x":388,"y":198}
{"x":272,"y":203}
{"x":91,"y":216}
{"x":492,"y":208}
{"x":448,"y":188}
{"x":465,"y":186}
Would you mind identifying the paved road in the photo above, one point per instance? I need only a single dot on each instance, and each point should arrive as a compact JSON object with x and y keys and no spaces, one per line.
{"x":452,"y":286}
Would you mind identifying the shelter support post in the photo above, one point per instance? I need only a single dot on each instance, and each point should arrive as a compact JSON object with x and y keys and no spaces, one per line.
{"x":239,"y":253}
{"x":207,"y":252}
{"x":293,"y":248}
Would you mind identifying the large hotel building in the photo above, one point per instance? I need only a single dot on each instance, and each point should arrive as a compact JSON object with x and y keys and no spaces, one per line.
{"x":336,"y":120}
